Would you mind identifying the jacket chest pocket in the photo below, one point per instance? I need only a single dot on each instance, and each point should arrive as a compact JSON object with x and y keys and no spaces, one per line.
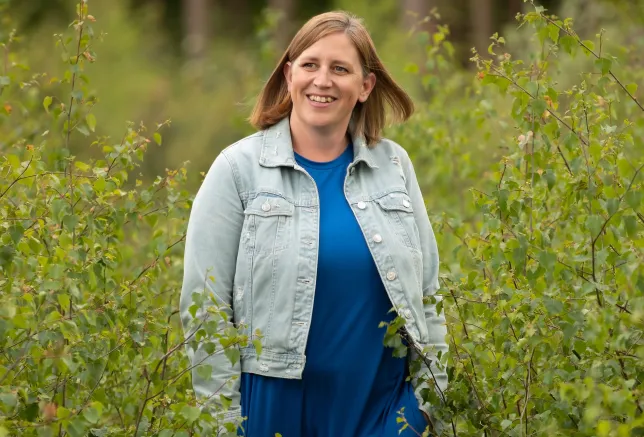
{"x":268,"y":224}
{"x":397,"y":208}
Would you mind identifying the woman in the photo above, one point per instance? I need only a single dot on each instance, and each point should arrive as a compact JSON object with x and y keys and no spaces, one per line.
{"x":310,"y":231}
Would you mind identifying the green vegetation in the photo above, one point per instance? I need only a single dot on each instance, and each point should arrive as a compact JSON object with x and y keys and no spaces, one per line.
{"x":532,"y":167}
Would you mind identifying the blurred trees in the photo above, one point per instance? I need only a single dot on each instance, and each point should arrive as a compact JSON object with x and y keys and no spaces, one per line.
{"x":190,"y":23}
{"x":200,"y":63}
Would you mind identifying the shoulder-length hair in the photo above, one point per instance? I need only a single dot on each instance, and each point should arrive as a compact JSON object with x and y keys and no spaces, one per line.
{"x":368,"y":119}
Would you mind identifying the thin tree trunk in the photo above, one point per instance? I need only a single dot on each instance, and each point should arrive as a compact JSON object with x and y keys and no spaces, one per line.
{"x":481,"y":24}
{"x":195,"y":24}
{"x":285,"y":26}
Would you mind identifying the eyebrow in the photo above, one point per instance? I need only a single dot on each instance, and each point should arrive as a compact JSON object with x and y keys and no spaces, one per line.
{"x":316,"y":59}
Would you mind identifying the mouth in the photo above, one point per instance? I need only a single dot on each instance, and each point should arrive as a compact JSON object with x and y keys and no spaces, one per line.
{"x":320,"y":99}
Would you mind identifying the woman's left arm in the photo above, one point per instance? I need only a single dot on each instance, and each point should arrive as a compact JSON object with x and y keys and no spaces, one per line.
{"x":436,"y":325}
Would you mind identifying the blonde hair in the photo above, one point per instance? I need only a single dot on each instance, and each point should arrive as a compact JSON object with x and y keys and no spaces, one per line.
{"x":368,"y":119}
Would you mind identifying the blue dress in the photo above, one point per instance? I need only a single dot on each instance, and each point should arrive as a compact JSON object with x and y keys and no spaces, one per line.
{"x":352,"y":385}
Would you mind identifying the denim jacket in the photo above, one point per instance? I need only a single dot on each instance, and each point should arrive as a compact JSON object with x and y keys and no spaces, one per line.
{"x":252,"y":242}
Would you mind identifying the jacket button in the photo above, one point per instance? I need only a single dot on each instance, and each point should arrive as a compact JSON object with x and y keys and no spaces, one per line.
{"x":377,"y":238}
{"x":407,"y":313}
{"x":391,"y":275}
{"x":406,"y":203}
{"x":266,"y":207}
{"x":362,"y":205}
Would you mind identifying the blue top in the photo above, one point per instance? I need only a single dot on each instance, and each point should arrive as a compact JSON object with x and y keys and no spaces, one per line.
{"x":352,"y":385}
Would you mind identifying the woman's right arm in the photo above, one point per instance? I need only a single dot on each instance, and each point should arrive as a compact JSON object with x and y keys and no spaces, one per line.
{"x":212,"y":242}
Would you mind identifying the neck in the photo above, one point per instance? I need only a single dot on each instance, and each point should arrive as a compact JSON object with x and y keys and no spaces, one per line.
{"x":321,"y":145}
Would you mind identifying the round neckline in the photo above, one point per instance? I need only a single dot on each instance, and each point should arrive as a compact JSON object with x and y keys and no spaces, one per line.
{"x":343,"y":159}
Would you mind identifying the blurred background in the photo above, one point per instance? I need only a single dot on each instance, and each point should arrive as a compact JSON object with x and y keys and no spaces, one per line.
{"x":200,"y":63}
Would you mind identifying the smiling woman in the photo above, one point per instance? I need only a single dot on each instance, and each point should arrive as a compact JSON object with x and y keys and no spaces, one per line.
{"x":310,"y":231}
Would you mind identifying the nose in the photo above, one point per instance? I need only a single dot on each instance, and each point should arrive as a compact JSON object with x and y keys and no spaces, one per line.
{"x":322,"y":78}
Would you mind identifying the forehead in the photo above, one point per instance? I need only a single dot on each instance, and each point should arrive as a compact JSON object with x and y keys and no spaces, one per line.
{"x":336,"y":46}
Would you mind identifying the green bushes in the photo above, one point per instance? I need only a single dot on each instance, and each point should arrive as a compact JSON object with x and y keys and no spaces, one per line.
{"x":544,"y":284}
{"x":543,"y":279}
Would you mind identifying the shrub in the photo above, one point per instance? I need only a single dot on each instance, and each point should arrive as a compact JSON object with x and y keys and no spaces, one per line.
{"x":544,"y":288}
{"x":542,"y":278}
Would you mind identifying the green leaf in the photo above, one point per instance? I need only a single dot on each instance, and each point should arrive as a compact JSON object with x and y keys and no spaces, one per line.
{"x":539,"y":106}
{"x":205,"y":372}
{"x":594,"y":224}
{"x":612,"y":205}
{"x":568,"y":43}
{"x":233,"y":354}
{"x":82,"y":166}
{"x":588,"y":43}
{"x":157,"y":138}
{"x":47,"y":103}
{"x":226,"y":402}
{"x":9,"y":400}
{"x":633,"y":199}
{"x":258,"y":346}
{"x":83,"y":129}
{"x":190,"y":413}
{"x":4,"y":432}
{"x":63,"y":300}
{"x":631,"y":88}
{"x":553,"y":32}
{"x":99,"y":184}
{"x":92,"y":415}
{"x":91,"y":122}
{"x":63,"y":413}
{"x":547,"y":260}
{"x":630,"y":223}
{"x":70,"y":221}
{"x":553,"y":306}
{"x":604,"y":65}
{"x":77,"y":428}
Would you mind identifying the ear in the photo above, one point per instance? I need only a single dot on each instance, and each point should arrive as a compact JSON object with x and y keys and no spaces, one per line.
{"x":287,"y":74}
{"x":367,"y":86}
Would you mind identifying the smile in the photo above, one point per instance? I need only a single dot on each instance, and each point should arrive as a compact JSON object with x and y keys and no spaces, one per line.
{"x":321,"y":99}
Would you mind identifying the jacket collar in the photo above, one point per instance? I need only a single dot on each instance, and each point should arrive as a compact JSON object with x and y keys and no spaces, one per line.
{"x":277,"y":147}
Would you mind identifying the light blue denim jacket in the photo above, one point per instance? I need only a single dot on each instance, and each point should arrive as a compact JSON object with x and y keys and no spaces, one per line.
{"x":252,"y":242}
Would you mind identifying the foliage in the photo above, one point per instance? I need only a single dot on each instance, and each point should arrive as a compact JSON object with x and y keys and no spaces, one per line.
{"x":544,"y":291}
{"x":90,"y":263}
{"x":542,"y":278}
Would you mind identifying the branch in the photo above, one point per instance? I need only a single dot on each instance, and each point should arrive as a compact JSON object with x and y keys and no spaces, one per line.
{"x":581,"y":43}
{"x":17,"y":179}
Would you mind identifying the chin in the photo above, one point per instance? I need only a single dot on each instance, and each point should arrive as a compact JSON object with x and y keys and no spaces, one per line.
{"x":317,"y":122}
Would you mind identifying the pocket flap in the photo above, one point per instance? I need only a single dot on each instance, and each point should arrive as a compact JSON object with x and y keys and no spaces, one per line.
{"x":267,"y":206}
{"x":396,"y":201}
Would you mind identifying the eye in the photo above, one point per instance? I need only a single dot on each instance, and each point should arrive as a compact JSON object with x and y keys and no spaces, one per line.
{"x":340,"y":69}
{"x":308,"y":65}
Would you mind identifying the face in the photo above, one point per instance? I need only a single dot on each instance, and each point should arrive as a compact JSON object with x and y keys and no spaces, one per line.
{"x":325,"y":82}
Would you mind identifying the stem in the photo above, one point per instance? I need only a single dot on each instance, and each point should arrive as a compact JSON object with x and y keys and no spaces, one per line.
{"x":598,"y":56}
{"x":17,"y":179}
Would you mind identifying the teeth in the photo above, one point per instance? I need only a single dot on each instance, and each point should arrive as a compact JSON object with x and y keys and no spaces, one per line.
{"x":321,"y":99}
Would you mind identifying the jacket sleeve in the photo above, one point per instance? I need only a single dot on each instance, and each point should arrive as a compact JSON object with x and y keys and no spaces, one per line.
{"x":212,"y":242}
{"x":436,"y":324}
